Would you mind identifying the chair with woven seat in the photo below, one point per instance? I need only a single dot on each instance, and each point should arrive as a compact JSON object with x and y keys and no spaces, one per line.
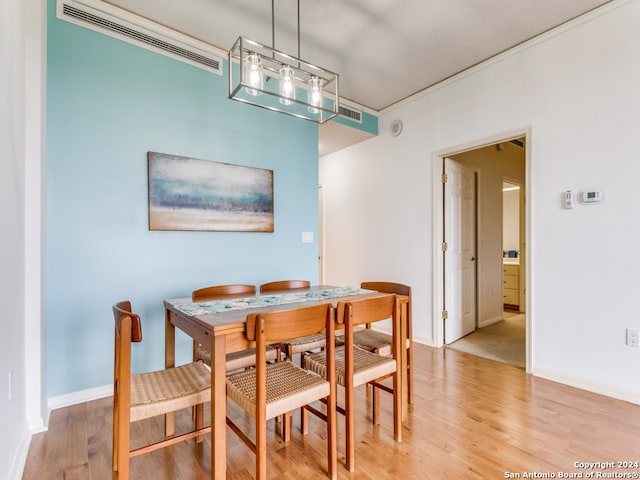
{"x":295,"y":345}
{"x":380,"y":342}
{"x":355,"y":366}
{"x":145,"y":395}
{"x":273,"y":389}
{"x":237,"y":360}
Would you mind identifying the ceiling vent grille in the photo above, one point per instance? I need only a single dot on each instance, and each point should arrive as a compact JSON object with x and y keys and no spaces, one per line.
{"x":131,"y":28}
{"x":349,"y":113}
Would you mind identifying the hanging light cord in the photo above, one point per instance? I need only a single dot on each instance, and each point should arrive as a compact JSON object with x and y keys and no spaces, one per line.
{"x":298,"y":32}
{"x":273,"y":27}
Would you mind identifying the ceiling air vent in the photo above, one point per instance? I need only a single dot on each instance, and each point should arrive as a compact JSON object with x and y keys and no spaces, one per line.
{"x":349,"y":113}
{"x":123,"y":25}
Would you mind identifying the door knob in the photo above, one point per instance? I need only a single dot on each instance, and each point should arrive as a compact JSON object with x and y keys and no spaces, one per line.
{"x":473,"y":259}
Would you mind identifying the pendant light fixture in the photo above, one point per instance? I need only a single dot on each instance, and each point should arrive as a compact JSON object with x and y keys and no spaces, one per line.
{"x":265,"y":77}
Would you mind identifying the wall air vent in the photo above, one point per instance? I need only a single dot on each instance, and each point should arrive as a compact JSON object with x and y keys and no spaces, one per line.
{"x":123,"y":25}
{"x":349,"y":113}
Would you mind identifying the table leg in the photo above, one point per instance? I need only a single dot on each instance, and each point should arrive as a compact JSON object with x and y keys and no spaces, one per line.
{"x":218,"y":409}
{"x":403,"y":360}
{"x":169,"y":362}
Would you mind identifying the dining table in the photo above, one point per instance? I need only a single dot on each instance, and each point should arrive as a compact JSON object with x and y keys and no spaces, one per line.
{"x":219,"y":325}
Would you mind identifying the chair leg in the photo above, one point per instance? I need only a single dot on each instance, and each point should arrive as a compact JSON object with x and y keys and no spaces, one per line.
{"x":332,"y":439}
{"x":376,"y":405}
{"x":410,"y":376}
{"x":122,"y":467}
{"x":114,"y":451}
{"x":286,"y":427}
{"x":199,"y":420}
{"x":169,"y":424}
{"x":304,"y":421}
{"x":261,"y":450}
{"x":397,"y":407}
{"x":304,"y":415}
{"x":350,"y":430}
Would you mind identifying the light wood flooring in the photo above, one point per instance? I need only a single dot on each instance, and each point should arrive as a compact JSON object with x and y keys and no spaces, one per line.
{"x":473,"y":418}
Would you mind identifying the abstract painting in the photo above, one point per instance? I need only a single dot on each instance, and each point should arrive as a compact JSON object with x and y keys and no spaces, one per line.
{"x":192,"y":194}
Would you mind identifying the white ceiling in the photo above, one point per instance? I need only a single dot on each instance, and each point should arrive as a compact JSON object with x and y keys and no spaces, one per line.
{"x":384,"y":50}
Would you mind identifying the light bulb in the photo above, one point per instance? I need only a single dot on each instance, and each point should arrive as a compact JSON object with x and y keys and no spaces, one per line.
{"x":287,"y":86}
{"x":314,"y":94}
{"x":253,"y":69}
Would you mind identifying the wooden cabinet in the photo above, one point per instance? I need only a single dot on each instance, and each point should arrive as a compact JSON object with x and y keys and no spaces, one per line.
{"x":511,"y":286}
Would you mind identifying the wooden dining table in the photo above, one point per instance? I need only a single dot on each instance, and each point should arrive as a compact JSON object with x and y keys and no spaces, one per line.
{"x":223,"y":331}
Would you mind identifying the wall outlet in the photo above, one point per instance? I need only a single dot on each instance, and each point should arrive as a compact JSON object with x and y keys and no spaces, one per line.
{"x":632,"y":338}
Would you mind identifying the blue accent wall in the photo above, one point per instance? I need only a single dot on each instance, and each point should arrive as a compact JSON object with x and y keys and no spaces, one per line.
{"x":108,"y":104}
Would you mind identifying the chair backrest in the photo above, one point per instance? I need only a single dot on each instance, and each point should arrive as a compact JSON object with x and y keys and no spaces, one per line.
{"x":128,"y":329}
{"x":127,"y":320}
{"x":284,"y":285}
{"x":391,"y":287}
{"x":368,"y":310}
{"x":281,"y":325}
{"x":387,"y":287}
{"x":222,"y":291}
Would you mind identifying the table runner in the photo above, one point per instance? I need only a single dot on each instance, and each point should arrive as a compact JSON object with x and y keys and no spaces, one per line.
{"x":216,"y":306}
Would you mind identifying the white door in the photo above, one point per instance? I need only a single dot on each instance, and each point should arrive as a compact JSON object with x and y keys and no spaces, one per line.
{"x":460,"y":254}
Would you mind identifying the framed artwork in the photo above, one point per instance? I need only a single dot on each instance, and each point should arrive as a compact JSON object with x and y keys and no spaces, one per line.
{"x":191,"y":194}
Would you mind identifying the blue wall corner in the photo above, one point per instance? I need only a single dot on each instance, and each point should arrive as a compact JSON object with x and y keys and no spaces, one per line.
{"x":108,"y":104}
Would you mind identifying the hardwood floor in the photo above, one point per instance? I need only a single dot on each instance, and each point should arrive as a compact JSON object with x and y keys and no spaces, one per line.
{"x":473,"y":418}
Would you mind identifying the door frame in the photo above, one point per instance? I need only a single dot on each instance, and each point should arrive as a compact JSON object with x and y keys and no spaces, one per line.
{"x":437,"y":164}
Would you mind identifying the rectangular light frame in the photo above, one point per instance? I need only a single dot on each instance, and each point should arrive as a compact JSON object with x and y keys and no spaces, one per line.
{"x":269,"y":96}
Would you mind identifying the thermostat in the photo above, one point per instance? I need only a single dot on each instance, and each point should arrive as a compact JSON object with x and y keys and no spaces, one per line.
{"x":595,"y":195}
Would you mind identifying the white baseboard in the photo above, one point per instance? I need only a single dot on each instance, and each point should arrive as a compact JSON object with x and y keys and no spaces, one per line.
{"x":424,"y":341}
{"x":81,"y":396}
{"x":489,"y":321}
{"x":416,"y":339}
{"x":581,"y":383}
{"x":20,"y":460}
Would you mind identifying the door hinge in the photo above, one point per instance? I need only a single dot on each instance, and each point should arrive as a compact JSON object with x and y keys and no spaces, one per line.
{"x":445,"y":246}
{"x":445,"y":314}
{"x":444,"y":178}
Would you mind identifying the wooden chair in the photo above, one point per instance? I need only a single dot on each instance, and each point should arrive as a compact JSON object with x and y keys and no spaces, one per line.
{"x":145,"y":395}
{"x":295,"y":345}
{"x":284,"y":285}
{"x":236,"y":360}
{"x":379,"y":342}
{"x":356,"y":367}
{"x":273,"y":389}
{"x":222,"y":291}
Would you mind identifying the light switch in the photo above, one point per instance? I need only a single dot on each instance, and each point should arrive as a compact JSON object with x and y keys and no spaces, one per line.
{"x":307,"y":237}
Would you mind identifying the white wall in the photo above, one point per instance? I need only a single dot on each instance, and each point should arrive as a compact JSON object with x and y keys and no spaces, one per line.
{"x":577,"y":89}
{"x":21,"y":55}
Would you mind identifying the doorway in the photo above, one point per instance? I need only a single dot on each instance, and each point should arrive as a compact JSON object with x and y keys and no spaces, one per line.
{"x":494,"y":160}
